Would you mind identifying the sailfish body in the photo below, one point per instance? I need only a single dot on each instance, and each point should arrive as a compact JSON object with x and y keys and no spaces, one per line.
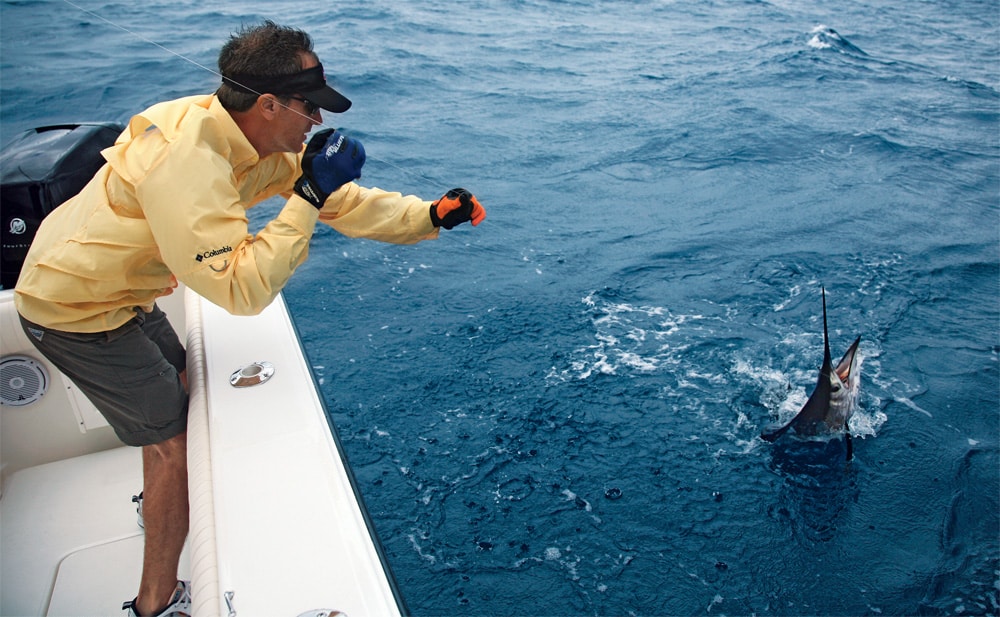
{"x":833,"y":401}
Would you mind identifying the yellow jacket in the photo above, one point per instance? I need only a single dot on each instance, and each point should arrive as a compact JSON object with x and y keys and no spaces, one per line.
{"x":170,"y":204}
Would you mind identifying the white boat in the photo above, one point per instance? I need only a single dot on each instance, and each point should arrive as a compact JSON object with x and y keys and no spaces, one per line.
{"x":277,"y":524}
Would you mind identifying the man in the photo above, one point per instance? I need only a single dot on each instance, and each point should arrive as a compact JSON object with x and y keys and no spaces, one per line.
{"x":170,"y":205}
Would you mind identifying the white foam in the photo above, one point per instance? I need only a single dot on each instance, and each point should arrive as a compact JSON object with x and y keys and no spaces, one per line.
{"x":637,"y":362}
{"x":818,"y":41}
{"x":913,"y":406}
{"x":627,"y":338}
{"x":571,"y":496}
{"x":419,"y":550}
{"x":794,"y":292}
{"x":715,"y":601}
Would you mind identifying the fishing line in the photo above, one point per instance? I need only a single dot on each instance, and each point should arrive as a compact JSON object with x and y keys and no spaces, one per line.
{"x":219,"y":75}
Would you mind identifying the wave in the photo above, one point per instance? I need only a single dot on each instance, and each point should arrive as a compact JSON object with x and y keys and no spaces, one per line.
{"x":825,"y":37}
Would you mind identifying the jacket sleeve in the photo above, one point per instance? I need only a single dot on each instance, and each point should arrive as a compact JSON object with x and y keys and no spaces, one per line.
{"x":372,"y":213}
{"x":198,"y":219}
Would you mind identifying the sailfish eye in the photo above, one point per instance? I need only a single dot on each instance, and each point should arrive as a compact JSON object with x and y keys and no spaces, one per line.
{"x":835,"y":387}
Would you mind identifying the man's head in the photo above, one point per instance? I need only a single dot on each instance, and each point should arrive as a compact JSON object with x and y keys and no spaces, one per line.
{"x":274,"y":86}
{"x":276,"y":60}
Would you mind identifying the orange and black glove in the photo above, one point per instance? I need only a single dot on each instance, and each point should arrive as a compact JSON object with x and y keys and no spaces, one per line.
{"x":455,"y":208}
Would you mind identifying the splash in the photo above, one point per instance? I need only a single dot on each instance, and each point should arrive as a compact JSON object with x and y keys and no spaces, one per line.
{"x":628,"y":339}
{"x":784,"y":392}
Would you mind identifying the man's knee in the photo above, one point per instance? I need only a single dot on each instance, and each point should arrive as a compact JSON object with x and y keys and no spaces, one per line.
{"x":171,"y":452}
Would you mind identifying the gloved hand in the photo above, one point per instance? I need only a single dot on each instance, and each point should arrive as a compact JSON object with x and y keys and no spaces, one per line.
{"x":456,"y":207}
{"x":331,"y":160}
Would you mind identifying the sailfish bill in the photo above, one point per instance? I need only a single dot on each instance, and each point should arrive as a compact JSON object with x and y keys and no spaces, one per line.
{"x":833,"y":401}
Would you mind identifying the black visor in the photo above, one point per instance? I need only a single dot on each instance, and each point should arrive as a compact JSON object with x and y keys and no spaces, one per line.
{"x":310,"y":83}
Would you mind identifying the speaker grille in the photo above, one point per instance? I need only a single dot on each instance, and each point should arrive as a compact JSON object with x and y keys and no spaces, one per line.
{"x":22,"y":381}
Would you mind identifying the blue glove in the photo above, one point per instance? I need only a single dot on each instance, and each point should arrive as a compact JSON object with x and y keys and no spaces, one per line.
{"x":330,"y":161}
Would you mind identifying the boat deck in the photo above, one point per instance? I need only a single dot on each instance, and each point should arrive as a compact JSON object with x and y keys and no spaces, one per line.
{"x":48,"y":566}
{"x":276,"y":525}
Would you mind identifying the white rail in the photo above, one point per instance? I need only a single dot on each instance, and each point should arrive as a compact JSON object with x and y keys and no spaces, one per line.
{"x":202,"y":542}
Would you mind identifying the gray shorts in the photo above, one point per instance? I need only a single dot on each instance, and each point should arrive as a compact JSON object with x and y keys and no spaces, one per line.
{"x":130,"y":374}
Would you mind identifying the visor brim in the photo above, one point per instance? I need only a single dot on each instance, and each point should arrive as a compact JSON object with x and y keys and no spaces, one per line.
{"x":329,"y":99}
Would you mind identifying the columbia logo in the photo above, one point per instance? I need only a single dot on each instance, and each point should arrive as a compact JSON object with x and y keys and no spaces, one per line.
{"x":208,"y":254}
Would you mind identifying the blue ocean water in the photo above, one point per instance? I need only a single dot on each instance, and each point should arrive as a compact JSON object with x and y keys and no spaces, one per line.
{"x":557,"y":413}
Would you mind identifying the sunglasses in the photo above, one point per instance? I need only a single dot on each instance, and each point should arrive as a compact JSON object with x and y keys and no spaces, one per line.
{"x":309,"y":107}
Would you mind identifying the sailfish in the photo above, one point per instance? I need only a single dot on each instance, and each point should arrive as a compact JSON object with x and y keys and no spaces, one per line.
{"x":833,"y":401}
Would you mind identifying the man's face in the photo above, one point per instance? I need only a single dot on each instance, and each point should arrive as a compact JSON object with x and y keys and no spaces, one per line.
{"x":295,"y":121}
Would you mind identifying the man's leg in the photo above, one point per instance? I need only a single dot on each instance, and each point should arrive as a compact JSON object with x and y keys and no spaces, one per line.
{"x":165,"y":514}
{"x":135,"y":377}
{"x":165,"y":492}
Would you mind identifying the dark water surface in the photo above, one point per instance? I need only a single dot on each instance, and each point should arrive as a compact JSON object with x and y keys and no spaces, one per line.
{"x":557,"y":413}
